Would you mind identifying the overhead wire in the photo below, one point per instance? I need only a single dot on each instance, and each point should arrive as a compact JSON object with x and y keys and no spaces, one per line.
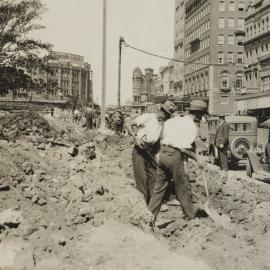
{"x":172,"y":59}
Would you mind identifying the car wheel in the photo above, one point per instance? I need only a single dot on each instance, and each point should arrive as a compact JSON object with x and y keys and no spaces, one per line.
{"x":239,"y":147}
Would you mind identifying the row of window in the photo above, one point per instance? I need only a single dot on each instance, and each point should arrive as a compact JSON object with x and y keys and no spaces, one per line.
{"x":196,"y":33}
{"x":204,"y":44}
{"x":230,"y":57}
{"x":202,"y":13}
{"x":253,"y":54}
{"x":258,"y":28}
{"x":196,"y":83}
{"x":195,"y":6}
{"x":252,"y":80}
{"x":199,"y":63}
{"x":230,"y":40}
{"x":200,"y":82}
{"x":231,"y":23}
{"x":231,"y":5}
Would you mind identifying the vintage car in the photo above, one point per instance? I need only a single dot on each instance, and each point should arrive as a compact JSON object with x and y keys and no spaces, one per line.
{"x":242,"y":138}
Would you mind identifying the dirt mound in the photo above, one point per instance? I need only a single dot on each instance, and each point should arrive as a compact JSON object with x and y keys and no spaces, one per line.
{"x":14,"y":125}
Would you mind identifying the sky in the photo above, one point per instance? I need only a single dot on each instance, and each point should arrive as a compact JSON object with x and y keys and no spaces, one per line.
{"x":75,"y":26}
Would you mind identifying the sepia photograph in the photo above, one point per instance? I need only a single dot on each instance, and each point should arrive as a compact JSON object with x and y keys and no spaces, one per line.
{"x":134,"y":134}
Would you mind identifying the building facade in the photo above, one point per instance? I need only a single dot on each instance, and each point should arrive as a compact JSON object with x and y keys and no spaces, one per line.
{"x":179,"y":35}
{"x":145,"y":86}
{"x":167,"y":80}
{"x":214,"y":52}
{"x":66,"y":75}
{"x":255,"y":99}
{"x":257,"y":47}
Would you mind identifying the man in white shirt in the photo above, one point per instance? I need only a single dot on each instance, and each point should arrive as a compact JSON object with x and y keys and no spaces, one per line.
{"x":179,"y":134}
{"x":149,"y":128}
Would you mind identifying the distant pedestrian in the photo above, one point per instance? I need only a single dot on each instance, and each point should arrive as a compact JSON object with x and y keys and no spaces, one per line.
{"x":76,"y":115}
{"x":52,"y":111}
{"x":222,"y":142}
{"x":89,"y":118}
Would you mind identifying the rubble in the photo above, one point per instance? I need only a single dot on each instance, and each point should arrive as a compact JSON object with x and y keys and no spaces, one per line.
{"x":10,"y":218}
{"x":73,"y":208}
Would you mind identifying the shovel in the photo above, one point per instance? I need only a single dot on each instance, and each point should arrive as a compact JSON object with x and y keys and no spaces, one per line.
{"x":220,"y":220}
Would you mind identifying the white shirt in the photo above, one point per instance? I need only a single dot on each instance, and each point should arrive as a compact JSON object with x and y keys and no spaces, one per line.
{"x":149,"y":129}
{"x":179,"y":132}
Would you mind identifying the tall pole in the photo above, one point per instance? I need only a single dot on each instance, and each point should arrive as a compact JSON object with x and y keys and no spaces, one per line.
{"x":103,"y":96}
{"x":121,"y":39}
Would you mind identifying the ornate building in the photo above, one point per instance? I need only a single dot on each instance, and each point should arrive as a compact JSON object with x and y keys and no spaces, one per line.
{"x":66,"y":75}
{"x":145,"y":86}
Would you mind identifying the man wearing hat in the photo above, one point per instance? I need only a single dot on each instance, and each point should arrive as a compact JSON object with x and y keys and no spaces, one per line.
{"x":179,"y":135}
{"x":222,"y":142}
{"x":149,"y":129}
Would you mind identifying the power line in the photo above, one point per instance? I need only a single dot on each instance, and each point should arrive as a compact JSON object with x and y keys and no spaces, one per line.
{"x":173,"y":59}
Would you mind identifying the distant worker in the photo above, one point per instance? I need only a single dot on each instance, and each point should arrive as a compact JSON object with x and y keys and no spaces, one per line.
{"x":89,"y":118}
{"x":118,"y":122}
{"x":52,"y":111}
{"x":222,"y":142}
{"x":146,"y":131}
{"x":76,"y":115}
{"x":179,"y":135}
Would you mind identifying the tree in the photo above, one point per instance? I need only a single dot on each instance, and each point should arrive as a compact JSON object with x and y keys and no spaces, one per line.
{"x":13,"y":79}
{"x":18,"y":19}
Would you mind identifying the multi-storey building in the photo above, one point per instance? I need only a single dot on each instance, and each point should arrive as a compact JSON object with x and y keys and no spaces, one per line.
{"x":179,"y":34}
{"x":167,"y":80}
{"x":145,"y":86}
{"x":67,"y":75}
{"x":257,"y":47}
{"x":214,"y":52}
{"x":255,"y":100}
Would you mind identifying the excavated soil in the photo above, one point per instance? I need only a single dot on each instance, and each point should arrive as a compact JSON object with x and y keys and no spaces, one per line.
{"x":64,"y":212}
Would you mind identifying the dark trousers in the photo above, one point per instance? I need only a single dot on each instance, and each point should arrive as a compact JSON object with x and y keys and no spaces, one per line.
{"x":171,"y":166}
{"x":223,"y":158}
{"x":145,"y":170}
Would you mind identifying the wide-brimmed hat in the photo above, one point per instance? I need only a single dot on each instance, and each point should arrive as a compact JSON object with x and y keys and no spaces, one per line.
{"x":198,"y":105}
{"x":168,"y":106}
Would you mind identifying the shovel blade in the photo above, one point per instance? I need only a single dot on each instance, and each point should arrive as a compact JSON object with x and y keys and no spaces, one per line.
{"x":220,"y":220}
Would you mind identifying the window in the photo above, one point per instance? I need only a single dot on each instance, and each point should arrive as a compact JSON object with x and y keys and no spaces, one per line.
{"x":231,"y":22}
{"x":230,"y":57}
{"x":240,"y":41}
{"x":220,"y":57}
{"x":241,"y":6}
{"x":221,"y":23}
{"x":231,"y":40}
{"x":220,"y":39}
{"x":231,"y":6}
{"x":225,"y":80}
{"x":240,"y":58}
{"x":221,"y":6}
{"x":239,"y":81}
{"x":241,"y":24}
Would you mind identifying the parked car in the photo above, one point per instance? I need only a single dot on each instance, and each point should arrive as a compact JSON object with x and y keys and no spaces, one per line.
{"x":242,"y":138}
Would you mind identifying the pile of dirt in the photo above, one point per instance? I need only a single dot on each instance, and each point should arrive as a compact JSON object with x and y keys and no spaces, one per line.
{"x":47,"y":199}
{"x":30,"y":123}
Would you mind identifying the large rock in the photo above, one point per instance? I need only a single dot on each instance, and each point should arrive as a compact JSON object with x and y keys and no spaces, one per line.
{"x":10,"y":218}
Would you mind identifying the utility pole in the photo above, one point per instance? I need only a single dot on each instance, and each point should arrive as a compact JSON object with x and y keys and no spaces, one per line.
{"x":121,"y":40}
{"x":103,"y":96}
